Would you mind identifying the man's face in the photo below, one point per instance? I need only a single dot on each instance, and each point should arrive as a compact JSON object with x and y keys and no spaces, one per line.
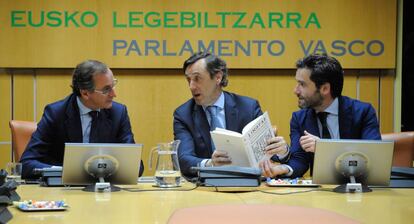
{"x":308,"y":95}
{"x":102,"y":96}
{"x":205,"y":90}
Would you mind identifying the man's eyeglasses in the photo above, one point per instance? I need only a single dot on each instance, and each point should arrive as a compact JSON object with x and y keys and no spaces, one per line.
{"x":107,"y":89}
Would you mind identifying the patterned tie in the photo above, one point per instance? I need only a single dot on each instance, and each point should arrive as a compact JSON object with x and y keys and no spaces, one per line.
{"x":93,"y":134}
{"x":214,"y":122}
{"x":322,"y":118}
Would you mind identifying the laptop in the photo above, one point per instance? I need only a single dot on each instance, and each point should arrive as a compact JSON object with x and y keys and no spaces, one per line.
{"x":127,"y":158}
{"x":379,"y":156}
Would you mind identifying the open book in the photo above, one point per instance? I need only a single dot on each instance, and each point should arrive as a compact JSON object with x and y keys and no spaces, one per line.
{"x":247,"y":148}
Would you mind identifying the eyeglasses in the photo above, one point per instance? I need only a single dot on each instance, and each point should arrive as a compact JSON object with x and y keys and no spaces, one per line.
{"x":107,"y":89}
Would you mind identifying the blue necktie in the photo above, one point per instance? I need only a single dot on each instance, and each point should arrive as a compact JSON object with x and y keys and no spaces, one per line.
{"x":214,"y":121}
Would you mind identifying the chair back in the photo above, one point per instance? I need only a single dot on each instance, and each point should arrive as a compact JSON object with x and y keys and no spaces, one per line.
{"x":403,"y":148}
{"x":21,"y":133}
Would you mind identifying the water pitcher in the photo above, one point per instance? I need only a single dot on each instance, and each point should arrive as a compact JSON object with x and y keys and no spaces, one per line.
{"x":167,"y":173}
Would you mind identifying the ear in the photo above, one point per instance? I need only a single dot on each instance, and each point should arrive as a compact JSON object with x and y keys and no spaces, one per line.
{"x":325,"y":89}
{"x":84,"y":94}
{"x":219,"y":77}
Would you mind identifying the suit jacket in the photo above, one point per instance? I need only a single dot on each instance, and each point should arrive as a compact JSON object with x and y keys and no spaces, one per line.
{"x":61,"y":123}
{"x":192,"y":129}
{"x":357,"y":120}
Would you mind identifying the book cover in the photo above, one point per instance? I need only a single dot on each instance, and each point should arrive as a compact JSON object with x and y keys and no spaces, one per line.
{"x":246,"y":148}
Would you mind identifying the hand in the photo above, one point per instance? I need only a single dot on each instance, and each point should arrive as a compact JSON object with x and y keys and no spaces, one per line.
{"x":270,"y":169}
{"x":308,"y":142}
{"x":276,"y":145}
{"x":220,"y":158}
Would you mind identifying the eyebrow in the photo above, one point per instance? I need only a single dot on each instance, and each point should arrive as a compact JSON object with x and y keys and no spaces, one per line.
{"x":107,"y":86}
{"x":300,"y":81}
{"x":192,"y":74}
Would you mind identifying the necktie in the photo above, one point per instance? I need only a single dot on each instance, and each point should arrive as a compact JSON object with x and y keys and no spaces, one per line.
{"x":322,"y":118}
{"x":214,"y":122}
{"x":93,"y":134}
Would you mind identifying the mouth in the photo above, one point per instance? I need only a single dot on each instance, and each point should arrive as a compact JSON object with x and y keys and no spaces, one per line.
{"x":196,"y":95}
{"x":301,"y":100}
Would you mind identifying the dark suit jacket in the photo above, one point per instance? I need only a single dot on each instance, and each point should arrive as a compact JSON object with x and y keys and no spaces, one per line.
{"x":192,"y":129}
{"x":357,"y":120}
{"x":61,"y":123}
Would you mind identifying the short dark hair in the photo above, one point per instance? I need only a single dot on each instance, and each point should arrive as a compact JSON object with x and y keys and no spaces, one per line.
{"x":214,"y":64}
{"x":324,"y":69}
{"x":82,"y":77}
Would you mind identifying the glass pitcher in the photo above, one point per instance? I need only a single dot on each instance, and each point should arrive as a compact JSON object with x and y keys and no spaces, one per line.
{"x":167,"y":171}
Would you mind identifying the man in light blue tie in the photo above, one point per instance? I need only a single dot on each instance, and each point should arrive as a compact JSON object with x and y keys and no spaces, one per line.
{"x":210,"y":108}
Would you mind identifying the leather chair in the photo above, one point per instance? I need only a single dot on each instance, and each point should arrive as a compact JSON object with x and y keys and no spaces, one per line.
{"x":403,"y":148}
{"x":21,"y":133}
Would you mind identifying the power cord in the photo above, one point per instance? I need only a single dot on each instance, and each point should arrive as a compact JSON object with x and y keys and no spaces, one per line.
{"x":159,"y":189}
{"x":295,"y":192}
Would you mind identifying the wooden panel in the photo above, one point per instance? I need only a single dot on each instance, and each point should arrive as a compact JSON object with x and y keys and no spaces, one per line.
{"x":23,"y":91}
{"x":350,"y":83}
{"x":5,"y":154}
{"x":369,"y":89}
{"x":151,"y":97}
{"x":274,"y":91}
{"x":5,"y":105}
{"x":52,"y":85}
{"x":387,"y":103}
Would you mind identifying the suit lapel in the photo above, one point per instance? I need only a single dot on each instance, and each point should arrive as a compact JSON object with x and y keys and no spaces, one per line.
{"x":311,"y":123}
{"x":104,"y":126}
{"x":345,"y":118}
{"x":201,"y":124}
{"x":73,"y":123}
{"x":231,"y":112}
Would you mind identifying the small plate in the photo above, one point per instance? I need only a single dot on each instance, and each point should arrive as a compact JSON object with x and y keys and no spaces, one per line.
{"x":41,"y":209}
{"x":39,"y":206}
{"x":290,"y":183}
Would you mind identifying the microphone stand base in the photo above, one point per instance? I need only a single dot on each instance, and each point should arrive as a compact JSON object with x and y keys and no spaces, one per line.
{"x":101,"y":187}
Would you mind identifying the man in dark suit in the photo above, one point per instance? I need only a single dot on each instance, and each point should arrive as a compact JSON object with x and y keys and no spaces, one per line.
{"x":324,"y":113}
{"x":89,"y":114}
{"x":209,"y":108}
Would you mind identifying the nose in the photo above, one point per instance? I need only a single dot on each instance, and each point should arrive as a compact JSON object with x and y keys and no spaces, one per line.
{"x":296,"y":89}
{"x":191,"y":85}
{"x":112,"y":93}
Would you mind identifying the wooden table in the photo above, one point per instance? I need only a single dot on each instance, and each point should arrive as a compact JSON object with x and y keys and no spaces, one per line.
{"x":379,"y":206}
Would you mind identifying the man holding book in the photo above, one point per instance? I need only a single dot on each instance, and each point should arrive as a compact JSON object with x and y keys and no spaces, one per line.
{"x":210,"y":108}
{"x":324,"y":113}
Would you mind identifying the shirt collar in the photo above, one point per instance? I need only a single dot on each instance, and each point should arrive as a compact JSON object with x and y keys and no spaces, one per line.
{"x":219,"y":102}
{"x":82,"y":108}
{"x":333,"y":108}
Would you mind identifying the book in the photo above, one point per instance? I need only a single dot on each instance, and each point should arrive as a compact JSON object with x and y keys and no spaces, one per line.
{"x":247,"y":148}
